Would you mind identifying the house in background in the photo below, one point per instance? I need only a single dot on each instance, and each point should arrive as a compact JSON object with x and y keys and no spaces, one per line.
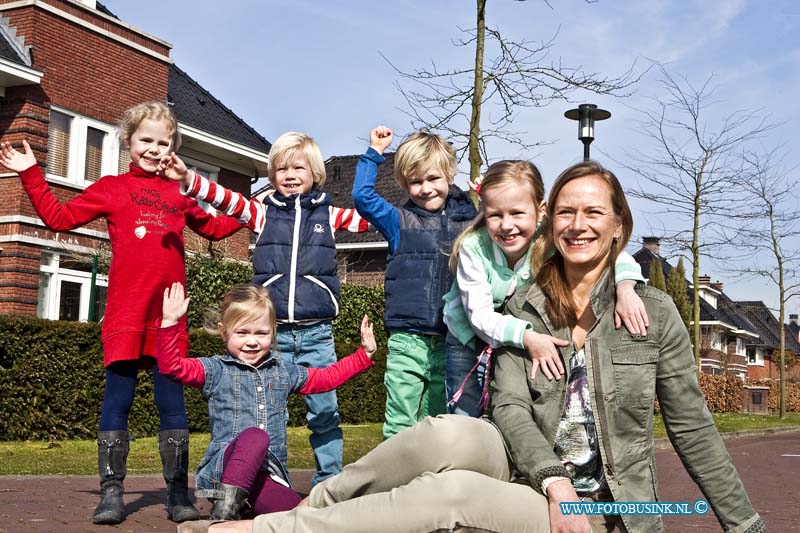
{"x":68,"y":70}
{"x":737,"y":338}
{"x":361,"y":256}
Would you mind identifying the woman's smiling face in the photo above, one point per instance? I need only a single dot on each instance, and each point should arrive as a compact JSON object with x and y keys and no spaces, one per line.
{"x":584,"y":223}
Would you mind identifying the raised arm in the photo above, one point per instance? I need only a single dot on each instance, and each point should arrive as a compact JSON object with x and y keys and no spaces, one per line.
{"x":343,"y":218}
{"x":248,"y":213}
{"x":372,"y":206}
{"x":184,"y":370}
{"x":327,"y":379}
{"x":92,"y":203}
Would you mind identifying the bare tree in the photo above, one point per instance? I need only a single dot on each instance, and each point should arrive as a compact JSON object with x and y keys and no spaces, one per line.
{"x":690,"y":168}
{"x":768,"y":228}
{"x":518,"y":75}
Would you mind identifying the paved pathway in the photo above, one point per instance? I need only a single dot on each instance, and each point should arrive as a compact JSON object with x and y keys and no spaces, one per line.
{"x":769,"y":466}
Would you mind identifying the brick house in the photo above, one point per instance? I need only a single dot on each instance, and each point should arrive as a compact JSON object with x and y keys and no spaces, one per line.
{"x":737,"y":338}
{"x":68,"y":70}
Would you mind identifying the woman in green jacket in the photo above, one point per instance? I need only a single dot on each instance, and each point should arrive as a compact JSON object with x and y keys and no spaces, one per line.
{"x":585,"y":437}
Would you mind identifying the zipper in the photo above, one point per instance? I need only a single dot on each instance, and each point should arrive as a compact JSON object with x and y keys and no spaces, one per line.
{"x":293,"y":266}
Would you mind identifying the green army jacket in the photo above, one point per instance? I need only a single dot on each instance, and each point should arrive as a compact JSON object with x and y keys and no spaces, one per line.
{"x":626,"y":374}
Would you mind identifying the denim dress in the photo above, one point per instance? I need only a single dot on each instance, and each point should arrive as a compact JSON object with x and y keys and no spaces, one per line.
{"x":242,"y":396}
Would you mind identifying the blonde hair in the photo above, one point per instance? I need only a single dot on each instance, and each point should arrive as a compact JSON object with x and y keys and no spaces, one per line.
{"x":241,"y":304}
{"x":518,"y":173}
{"x":549,"y":264}
{"x":152,"y":110}
{"x":420,"y":151}
{"x":287,"y":145}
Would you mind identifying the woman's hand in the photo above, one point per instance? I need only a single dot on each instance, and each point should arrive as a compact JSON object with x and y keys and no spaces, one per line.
{"x":543,"y":353}
{"x":174,"y":306}
{"x":368,"y":337}
{"x":563,"y":491}
{"x":14,"y":160}
{"x":630,"y":310}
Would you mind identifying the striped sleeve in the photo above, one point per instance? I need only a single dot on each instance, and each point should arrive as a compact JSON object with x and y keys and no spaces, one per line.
{"x":626,"y":268}
{"x":249,"y":213}
{"x":348,"y":219}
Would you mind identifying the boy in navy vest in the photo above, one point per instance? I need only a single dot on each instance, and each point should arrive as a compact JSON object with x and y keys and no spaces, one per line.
{"x":295,"y":258}
{"x":420,"y":237}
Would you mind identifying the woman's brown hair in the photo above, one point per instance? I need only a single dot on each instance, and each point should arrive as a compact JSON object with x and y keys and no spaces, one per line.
{"x":548,"y":263}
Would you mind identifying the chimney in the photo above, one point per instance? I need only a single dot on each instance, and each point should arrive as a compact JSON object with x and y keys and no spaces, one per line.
{"x":651,"y":243}
{"x":717,"y":285}
{"x":704,"y":280}
{"x":793,"y":320}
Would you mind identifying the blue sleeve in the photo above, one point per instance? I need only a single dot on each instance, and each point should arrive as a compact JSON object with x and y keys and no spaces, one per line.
{"x":372,"y":206}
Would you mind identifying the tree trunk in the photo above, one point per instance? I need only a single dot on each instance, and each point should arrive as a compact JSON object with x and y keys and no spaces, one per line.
{"x":475,"y":160}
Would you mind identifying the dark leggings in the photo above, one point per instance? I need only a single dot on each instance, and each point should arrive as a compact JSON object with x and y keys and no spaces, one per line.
{"x":241,"y":466}
{"x":118,"y":398}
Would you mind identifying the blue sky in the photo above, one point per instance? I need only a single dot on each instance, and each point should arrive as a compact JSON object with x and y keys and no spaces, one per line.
{"x":316,"y":66}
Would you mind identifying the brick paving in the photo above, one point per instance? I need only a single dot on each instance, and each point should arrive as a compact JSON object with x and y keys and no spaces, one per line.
{"x":769,"y":466}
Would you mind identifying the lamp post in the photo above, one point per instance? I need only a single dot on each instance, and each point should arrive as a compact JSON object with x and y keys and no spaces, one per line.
{"x":586,"y":114}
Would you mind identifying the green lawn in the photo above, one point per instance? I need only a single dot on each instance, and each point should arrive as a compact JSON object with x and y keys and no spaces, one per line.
{"x":80,"y":456}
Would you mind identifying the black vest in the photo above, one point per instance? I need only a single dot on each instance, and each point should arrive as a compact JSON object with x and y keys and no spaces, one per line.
{"x":417,"y":274}
{"x":295,"y":257}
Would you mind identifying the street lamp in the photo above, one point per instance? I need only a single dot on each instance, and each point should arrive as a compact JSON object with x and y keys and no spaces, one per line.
{"x":586,"y":114}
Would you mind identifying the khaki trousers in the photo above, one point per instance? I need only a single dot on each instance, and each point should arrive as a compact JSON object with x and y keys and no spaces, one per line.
{"x":449,"y":473}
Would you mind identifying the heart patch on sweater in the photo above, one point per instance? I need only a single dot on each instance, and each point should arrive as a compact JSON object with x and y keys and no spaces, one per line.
{"x":140,"y":232}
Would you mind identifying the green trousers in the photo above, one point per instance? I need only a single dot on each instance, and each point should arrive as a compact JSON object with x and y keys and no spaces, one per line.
{"x":414,"y":380}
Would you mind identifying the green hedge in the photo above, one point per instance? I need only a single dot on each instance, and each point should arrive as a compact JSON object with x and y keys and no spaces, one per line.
{"x":52,"y":377}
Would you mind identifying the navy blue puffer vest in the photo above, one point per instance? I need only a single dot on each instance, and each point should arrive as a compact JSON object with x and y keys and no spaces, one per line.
{"x":295,"y":257}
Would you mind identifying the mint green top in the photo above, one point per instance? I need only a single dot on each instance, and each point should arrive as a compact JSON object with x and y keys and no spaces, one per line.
{"x":484,"y":281}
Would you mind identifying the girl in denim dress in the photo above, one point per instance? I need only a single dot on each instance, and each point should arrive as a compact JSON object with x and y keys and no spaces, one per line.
{"x":247,"y":390}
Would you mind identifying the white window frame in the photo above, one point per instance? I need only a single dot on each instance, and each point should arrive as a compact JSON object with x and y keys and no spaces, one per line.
{"x":76,"y":153}
{"x":57,"y":275}
{"x":213,"y":175}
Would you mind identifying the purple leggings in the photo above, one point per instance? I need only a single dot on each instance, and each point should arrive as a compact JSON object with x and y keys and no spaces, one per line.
{"x":241,"y":466}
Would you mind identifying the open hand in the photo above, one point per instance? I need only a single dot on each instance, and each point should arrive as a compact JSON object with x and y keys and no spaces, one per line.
{"x":173,"y":168}
{"x":174,"y":306}
{"x":14,"y":160}
{"x":630,"y":310}
{"x":368,"y":337}
{"x":380,"y":138}
{"x":544,"y":354}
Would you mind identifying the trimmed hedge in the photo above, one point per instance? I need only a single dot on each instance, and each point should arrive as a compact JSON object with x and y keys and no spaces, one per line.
{"x":52,"y":376}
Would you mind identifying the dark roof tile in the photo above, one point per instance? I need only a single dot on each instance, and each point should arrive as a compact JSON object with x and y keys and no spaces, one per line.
{"x":196,"y":107}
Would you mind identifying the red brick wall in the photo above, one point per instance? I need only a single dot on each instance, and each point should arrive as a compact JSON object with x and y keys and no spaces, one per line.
{"x":95,"y":76}
{"x":19,"y":278}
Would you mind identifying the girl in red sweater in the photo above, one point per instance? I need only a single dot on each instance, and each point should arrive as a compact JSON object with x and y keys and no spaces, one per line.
{"x":146,"y":215}
{"x":247,"y":389}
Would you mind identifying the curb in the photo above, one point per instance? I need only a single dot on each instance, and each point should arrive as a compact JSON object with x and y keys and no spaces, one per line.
{"x":664,"y":443}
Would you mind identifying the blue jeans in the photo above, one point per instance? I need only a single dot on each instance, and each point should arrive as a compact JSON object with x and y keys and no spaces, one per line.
{"x":458,"y":361}
{"x":312,"y":347}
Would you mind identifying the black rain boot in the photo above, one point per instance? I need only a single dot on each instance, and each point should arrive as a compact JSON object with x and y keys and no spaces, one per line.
{"x":173,"y":445}
{"x":231,"y":505}
{"x":112,"y":454}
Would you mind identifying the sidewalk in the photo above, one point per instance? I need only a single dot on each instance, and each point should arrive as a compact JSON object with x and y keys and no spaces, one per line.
{"x":769,"y":466}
